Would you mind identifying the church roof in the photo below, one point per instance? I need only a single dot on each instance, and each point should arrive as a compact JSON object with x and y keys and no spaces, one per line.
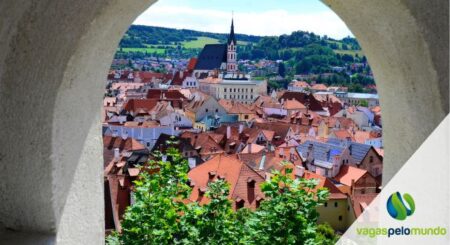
{"x":212,"y":57}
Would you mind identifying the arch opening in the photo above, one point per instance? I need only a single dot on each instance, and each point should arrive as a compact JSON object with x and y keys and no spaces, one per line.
{"x":48,"y":173}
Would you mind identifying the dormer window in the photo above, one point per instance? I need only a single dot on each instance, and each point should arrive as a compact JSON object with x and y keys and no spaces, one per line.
{"x":239,"y":203}
{"x":211,"y":175}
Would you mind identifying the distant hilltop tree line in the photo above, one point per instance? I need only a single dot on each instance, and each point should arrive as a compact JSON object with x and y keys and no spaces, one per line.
{"x":300,"y":52}
{"x":139,"y":36}
{"x":250,"y":47}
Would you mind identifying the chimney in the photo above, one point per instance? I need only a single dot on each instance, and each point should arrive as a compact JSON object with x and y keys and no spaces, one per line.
{"x":352,"y":187}
{"x":125,"y":135}
{"x":299,"y":171}
{"x":292,"y":154}
{"x":263,"y":160}
{"x":328,"y":154}
{"x":116,"y":154}
{"x":249,"y":146}
{"x":192,"y":162}
{"x":241,"y":128}
{"x":310,"y":154}
{"x":228,"y":132}
{"x":281,"y":152}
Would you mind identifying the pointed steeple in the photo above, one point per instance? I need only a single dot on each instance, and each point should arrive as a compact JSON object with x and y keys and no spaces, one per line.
{"x":231,"y":37}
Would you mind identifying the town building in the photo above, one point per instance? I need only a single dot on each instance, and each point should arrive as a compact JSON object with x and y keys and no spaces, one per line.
{"x":235,"y":86}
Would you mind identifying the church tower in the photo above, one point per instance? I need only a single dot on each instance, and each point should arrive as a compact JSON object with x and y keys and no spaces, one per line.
{"x":231,"y":50}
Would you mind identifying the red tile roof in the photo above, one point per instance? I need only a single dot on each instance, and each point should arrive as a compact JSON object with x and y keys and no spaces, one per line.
{"x":128,"y":144}
{"x":192,"y":63}
{"x":319,"y":86}
{"x":147,"y":76}
{"x":361,"y":201}
{"x":236,"y":173}
{"x":343,"y":134}
{"x":335,"y":193}
{"x":349,"y":173}
{"x":165,"y":94}
{"x":135,"y":105}
{"x":204,"y":143}
{"x":233,"y":107}
{"x":179,"y":77}
{"x":293,"y":105}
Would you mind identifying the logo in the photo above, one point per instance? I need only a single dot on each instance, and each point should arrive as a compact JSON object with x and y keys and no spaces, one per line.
{"x":396,"y":206}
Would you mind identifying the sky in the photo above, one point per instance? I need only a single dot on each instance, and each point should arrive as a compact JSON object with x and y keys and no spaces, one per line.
{"x":263,"y":17}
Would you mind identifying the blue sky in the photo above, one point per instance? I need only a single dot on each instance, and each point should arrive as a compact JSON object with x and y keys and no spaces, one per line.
{"x":263,"y":17}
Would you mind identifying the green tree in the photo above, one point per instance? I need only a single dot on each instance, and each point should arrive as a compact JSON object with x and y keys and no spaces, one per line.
{"x":364,"y":103}
{"x":160,"y":214}
{"x":288,"y":215}
{"x":159,"y":194}
{"x":214,"y":222}
{"x":325,"y":235}
{"x":281,"y":69}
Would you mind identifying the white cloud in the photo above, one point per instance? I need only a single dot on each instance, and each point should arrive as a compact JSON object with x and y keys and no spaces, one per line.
{"x":273,"y":22}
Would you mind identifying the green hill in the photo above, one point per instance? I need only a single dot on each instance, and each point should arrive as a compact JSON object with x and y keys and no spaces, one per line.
{"x":150,"y":40}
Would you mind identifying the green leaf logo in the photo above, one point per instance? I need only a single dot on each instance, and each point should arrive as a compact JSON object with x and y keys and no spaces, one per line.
{"x":396,"y":206}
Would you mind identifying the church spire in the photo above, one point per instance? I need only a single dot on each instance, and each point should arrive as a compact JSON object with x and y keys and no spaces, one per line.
{"x":231,"y":37}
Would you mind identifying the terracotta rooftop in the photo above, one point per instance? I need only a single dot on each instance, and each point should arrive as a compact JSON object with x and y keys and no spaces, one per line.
{"x":293,"y":105}
{"x":233,"y":107}
{"x":203,"y":142}
{"x":319,"y":86}
{"x":335,"y":193}
{"x":236,"y":173}
{"x":349,"y":173}
{"x":134,"y":105}
{"x":165,"y":94}
{"x":300,"y":84}
{"x":128,"y":144}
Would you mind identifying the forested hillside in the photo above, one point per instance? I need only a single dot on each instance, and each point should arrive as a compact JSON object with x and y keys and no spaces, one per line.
{"x":300,"y":52}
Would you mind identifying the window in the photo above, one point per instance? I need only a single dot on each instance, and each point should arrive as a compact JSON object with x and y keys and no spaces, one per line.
{"x":225,"y":90}
{"x":206,"y":109}
{"x":325,"y":204}
{"x":335,"y":204}
{"x":251,"y":90}
{"x":340,"y":217}
{"x":258,"y":203}
{"x":217,"y":110}
{"x":371,"y":159}
{"x":246,"y":116}
{"x":239,"y":204}
{"x":225,"y":96}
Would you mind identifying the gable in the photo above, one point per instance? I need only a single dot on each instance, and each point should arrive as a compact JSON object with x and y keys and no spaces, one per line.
{"x":211,"y":57}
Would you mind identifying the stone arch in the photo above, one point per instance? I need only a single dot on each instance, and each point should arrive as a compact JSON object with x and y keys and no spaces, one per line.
{"x":54,"y":55}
